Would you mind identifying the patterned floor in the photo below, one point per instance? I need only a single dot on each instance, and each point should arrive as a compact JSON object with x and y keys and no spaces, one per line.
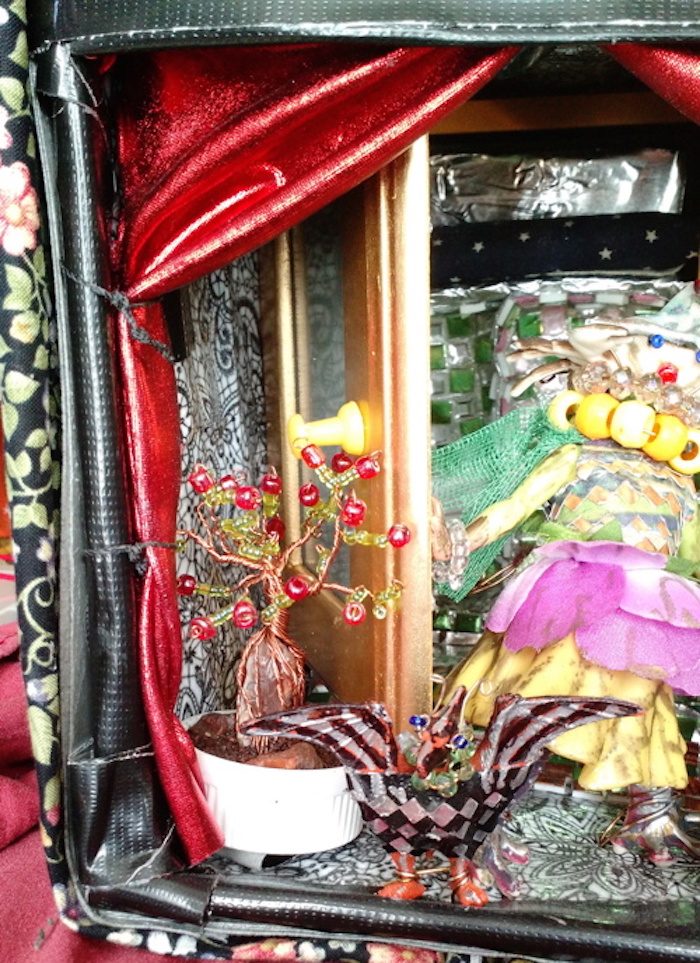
{"x":566,"y":861}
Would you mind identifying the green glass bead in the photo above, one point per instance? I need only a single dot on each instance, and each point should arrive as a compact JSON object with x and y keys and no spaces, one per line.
{"x":224,"y":615}
{"x":444,"y":783}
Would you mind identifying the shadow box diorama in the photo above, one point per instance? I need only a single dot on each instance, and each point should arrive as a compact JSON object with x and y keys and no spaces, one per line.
{"x":379,"y":616}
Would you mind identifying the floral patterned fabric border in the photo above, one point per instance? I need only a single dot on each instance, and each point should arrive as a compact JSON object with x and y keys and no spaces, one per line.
{"x":29,"y":419}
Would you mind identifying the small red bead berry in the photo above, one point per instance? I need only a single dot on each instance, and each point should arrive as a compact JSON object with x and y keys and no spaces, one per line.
{"x":368,"y":466}
{"x":354,"y":613}
{"x":353,"y":511}
{"x":228,"y":483}
{"x":668,"y":373}
{"x":202,"y":628}
{"x":309,"y":495}
{"x":271,"y":484}
{"x":399,"y":535}
{"x":275,"y":526}
{"x":313,"y":456}
{"x":186,"y":584}
{"x":245,"y":615}
{"x":248,"y":498}
{"x":341,"y":462}
{"x":296,"y":588}
{"x":200,"y":480}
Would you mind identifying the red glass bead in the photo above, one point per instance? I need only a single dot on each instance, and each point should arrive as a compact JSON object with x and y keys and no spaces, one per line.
{"x":202,"y":628}
{"x":354,"y":613}
{"x":668,"y":373}
{"x":248,"y":498}
{"x":309,"y":495}
{"x":297,"y":588}
{"x":313,"y":456}
{"x":186,"y":584}
{"x":696,"y":287}
{"x":228,"y":483}
{"x":399,"y":535}
{"x":200,"y":480}
{"x":353,"y":511}
{"x":245,"y":615}
{"x":341,"y":462}
{"x":275,"y":526}
{"x":271,"y":484}
{"x":368,"y":466}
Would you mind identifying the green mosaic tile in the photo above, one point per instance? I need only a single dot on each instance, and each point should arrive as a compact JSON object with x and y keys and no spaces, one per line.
{"x":443,"y":621}
{"x":462,"y":380}
{"x":441,"y":412}
{"x":529,"y":326}
{"x":483,"y":350}
{"x":469,"y":425}
{"x":459,"y":326}
{"x":437,"y":356}
{"x":469,"y":622}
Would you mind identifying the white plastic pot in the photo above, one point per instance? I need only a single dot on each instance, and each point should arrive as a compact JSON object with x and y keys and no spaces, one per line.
{"x":278,"y":812}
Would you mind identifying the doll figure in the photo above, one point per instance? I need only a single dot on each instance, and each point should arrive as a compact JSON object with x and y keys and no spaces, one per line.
{"x":607,"y":604}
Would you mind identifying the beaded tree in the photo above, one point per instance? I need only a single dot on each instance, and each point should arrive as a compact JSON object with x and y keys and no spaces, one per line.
{"x":240,"y":525}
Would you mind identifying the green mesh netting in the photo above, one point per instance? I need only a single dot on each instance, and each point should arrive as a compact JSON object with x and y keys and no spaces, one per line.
{"x":486,"y":467}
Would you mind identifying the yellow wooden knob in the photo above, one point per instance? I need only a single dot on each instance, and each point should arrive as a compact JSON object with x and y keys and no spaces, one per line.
{"x":346,"y":430}
{"x":688,"y":462}
{"x":594,"y":415}
{"x":632,"y":424}
{"x":562,"y":409}
{"x":668,"y":440}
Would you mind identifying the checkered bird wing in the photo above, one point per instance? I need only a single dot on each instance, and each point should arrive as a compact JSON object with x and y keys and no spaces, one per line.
{"x":360,"y":736}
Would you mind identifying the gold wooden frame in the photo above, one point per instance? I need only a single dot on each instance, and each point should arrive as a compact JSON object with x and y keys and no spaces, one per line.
{"x":386,"y":298}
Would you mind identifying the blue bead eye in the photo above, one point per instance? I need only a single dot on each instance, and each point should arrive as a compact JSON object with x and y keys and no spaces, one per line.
{"x":657,"y":340}
{"x":697,"y":355}
{"x":418,"y":722}
{"x":460,"y":741}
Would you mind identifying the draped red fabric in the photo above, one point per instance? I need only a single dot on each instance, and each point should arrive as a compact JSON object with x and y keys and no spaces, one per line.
{"x":222,"y":149}
{"x":673,"y":72}
{"x":153,"y":431}
{"x":219,"y":150}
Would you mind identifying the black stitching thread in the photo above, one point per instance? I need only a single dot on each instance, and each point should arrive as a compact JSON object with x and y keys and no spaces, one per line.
{"x":120,"y":301}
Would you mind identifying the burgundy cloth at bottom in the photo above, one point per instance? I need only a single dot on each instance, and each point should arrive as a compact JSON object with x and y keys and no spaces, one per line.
{"x":30,"y":930}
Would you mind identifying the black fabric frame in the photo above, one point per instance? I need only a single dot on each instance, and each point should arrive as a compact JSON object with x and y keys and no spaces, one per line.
{"x":92,"y":26}
{"x":107,"y":792}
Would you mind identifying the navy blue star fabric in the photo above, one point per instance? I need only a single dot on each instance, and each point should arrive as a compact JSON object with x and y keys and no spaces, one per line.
{"x":646,"y":245}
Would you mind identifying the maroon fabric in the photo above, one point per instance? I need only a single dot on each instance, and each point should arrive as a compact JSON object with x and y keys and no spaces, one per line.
{"x":673,"y":72}
{"x":30,"y":928}
{"x":19,"y":794}
{"x":219,"y":150}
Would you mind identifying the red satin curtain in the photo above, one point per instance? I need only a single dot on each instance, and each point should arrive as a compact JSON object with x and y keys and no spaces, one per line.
{"x":220,"y":150}
{"x":672,"y":72}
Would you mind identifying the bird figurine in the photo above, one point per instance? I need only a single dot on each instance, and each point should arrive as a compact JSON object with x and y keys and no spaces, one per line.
{"x":446,"y":792}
